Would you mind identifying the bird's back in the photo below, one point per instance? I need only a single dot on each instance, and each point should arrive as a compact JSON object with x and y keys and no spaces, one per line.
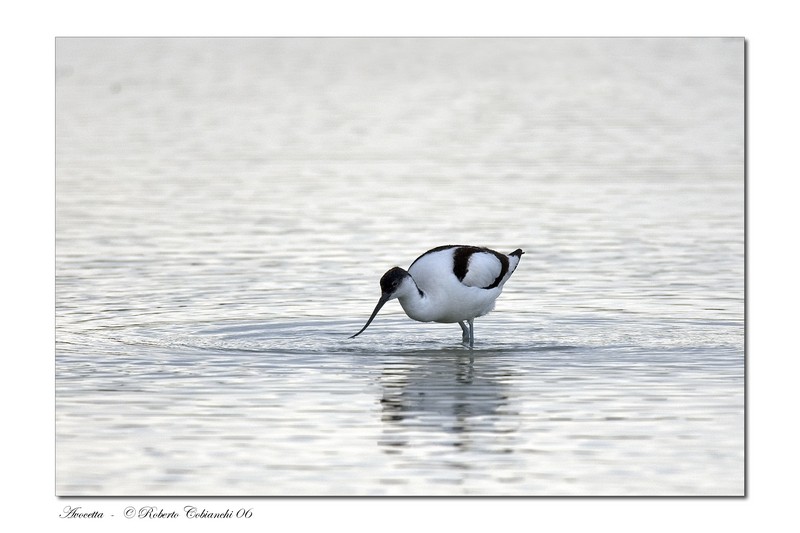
{"x":457,"y":282}
{"x":471,"y":266}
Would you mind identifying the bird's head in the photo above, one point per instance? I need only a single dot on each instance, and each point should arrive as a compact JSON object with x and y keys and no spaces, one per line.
{"x":394,"y":283}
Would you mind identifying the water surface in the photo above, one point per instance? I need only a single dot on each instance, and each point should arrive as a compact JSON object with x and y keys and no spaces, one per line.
{"x":225,"y":209}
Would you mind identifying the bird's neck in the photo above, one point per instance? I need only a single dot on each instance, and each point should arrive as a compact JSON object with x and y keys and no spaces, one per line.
{"x":415,"y":303}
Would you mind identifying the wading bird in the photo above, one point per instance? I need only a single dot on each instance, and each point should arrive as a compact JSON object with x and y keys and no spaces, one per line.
{"x":449,"y":284}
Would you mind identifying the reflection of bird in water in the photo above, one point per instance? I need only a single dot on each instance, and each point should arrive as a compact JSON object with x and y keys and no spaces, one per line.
{"x":445,"y":398}
{"x":449,"y":284}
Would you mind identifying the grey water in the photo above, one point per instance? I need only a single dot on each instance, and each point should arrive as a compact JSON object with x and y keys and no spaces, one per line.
{"x":226,"y":207}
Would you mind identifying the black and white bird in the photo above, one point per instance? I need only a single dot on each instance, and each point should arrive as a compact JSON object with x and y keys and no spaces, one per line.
{"x":449,"y":284}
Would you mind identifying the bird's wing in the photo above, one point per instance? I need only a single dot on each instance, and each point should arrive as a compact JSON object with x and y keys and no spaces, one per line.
{"x":484,"y":270}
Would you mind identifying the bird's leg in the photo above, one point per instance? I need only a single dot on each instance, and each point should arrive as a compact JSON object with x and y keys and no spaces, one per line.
{"x":471,"y":332}
{"x":465,"y":334}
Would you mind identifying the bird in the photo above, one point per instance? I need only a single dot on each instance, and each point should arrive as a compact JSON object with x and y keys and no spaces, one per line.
{"x":451,"y":283}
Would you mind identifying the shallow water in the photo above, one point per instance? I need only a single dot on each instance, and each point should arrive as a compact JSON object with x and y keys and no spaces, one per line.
{"x":225,"y":209}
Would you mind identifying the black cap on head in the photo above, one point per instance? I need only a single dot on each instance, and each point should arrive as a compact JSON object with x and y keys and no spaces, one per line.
{"x":392,"y":279}
{"x":389,"y":284}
